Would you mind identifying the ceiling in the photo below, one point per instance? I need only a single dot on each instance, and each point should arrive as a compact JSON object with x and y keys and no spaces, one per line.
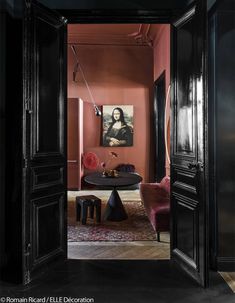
{"x":114,"y":34}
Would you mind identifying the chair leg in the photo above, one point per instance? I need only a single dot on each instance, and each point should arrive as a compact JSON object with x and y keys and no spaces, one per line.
{"x":98,"y":213}
{"x":158,"y":236}
{"x":78,"y":211}
{"x":91,"y":211}
{"x":84,"y":213}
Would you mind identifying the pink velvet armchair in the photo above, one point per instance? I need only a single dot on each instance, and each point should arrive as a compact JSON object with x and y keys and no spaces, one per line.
{"x":156,"y":200}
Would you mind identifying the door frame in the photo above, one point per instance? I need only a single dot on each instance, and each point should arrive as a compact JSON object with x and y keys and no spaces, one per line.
{"x":117,"y":16}
{"x":159,"y":126}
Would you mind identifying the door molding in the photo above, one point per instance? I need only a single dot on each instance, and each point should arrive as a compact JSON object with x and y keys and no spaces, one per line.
{"x":91,"y":16}
{"x":159,"y":127}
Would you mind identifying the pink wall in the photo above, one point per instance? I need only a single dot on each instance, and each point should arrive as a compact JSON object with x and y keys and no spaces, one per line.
{"x":116,"y":75}
{"x":161,"y":54}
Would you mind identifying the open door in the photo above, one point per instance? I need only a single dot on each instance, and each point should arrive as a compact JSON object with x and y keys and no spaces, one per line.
{"x":188,"y":137}
{"x":44,"y":139}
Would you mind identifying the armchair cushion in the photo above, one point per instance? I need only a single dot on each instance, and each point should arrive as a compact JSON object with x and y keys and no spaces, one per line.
{"x":156,"y":200}
{"x":165,"y":184}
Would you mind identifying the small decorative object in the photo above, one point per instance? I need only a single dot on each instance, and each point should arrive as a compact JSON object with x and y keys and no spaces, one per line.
{"x":117,"y":125}
{"x":90,"y":160}
{"x":112,"y":173}
{"x":109,"y":172}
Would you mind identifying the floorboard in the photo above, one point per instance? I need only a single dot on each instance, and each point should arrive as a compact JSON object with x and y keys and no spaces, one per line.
{"x":140,"y":250}
{"x":229,"y":278}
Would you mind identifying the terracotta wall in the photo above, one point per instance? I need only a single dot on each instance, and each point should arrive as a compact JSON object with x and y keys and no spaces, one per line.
{"x":161,"y":54}
{"x":116,"y":75}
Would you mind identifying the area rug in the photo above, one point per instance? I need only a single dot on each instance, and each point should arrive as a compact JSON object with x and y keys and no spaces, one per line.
{"x":136,"y":228}
{"x":125,"y":195}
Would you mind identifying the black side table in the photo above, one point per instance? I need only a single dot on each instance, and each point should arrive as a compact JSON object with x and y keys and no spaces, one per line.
{"x":114,"y":210}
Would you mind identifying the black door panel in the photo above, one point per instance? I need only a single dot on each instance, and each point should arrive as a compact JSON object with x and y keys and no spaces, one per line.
{"x":188,"y":153}
{"x":43,"y":177}
{"x":47,"y":233}
{"x":44,"y":131}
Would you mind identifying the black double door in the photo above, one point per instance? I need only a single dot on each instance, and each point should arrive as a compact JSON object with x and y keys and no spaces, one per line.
{"x":44,"y":129}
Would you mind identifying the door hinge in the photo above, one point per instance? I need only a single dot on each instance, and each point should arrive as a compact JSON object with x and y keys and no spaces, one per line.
{"x":25,"y":163}
{"x":27,"y":277}
{"x":28,"y":106}
{"x":64,"y":20}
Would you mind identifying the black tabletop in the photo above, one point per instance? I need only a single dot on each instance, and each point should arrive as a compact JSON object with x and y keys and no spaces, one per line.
{"x":123,"y":179}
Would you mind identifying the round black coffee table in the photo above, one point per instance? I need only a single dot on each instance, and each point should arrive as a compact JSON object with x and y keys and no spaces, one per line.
{"x":115,"y":210}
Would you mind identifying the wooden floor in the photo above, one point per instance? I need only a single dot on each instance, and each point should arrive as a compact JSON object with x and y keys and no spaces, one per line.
{"x":136,"y":250}
{"x":118,"y":281}
{"x":229,"y":278}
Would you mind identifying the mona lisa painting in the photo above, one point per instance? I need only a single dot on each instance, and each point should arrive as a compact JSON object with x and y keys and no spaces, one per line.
{"x":117,"y":125}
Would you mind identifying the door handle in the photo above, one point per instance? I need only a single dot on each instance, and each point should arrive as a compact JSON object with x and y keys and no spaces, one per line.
{"x":194,"y":165}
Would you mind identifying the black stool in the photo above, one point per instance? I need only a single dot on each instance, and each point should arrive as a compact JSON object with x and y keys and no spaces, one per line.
{"x":85,"y":202}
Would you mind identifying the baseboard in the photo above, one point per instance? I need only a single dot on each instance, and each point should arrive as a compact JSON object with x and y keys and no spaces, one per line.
{"x":226,"y":264}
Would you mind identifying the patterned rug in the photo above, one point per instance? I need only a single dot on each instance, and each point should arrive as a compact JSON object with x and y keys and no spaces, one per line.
{"x":136,"y":228}
{"x":125,"y":195}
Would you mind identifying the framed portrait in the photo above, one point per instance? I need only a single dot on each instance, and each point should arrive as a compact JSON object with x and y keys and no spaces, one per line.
{"x":117,"y":125}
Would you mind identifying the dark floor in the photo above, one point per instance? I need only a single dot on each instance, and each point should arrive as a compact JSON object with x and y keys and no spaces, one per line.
{"x":121,"y":282}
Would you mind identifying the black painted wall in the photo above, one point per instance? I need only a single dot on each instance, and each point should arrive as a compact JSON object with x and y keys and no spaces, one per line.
{"x":10,"y":138}
{"x":120,"y":4}
{"x":222,"y":104}
{"x":2,"y":135}
{"x":16,"y":5}
{"x":13,"y":146}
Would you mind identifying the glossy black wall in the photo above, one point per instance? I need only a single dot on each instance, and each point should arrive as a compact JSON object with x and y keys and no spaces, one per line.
{"x":107,"y":4}
{"x":222,"y":105}
{"x":2,"y":134}
{"x":10,"y":133}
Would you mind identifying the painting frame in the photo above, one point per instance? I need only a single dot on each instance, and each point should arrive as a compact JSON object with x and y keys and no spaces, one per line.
{"x":117,"y":125}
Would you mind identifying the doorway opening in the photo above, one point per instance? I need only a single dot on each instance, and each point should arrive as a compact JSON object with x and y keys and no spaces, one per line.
{"x":120,"y":63}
